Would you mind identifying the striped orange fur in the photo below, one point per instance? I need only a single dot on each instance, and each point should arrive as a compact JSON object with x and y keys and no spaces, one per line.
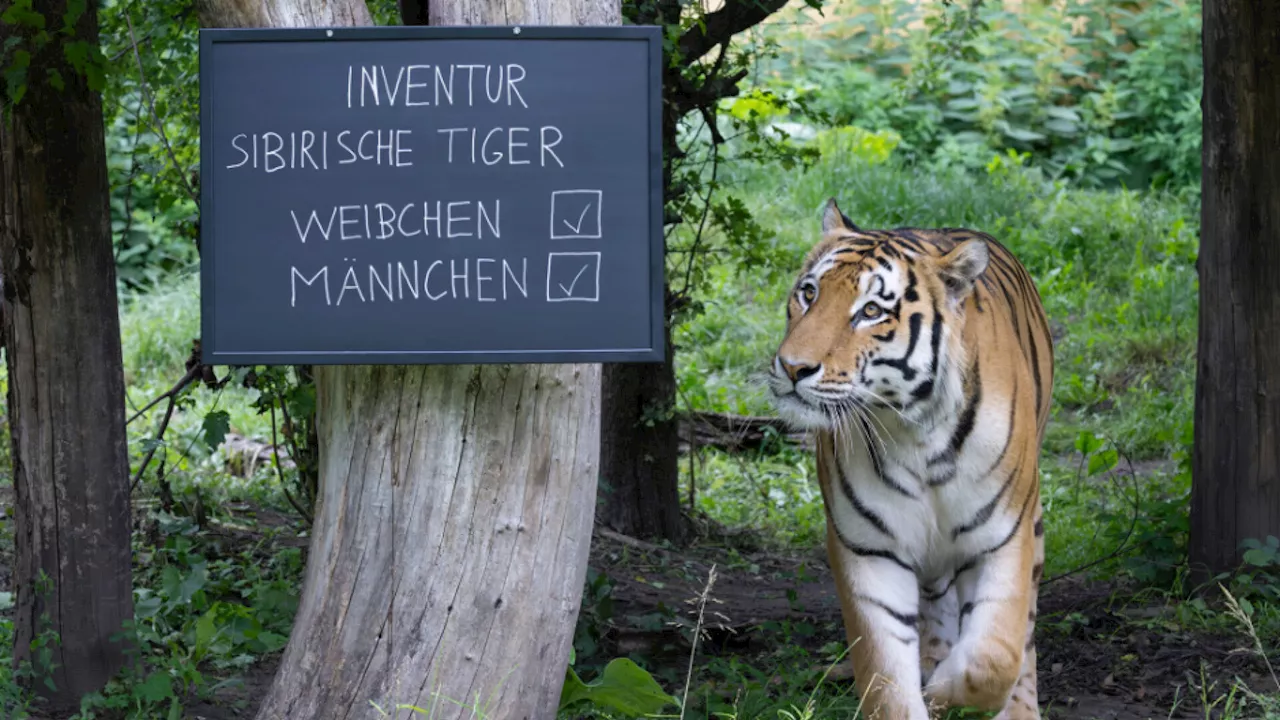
{"x":923,"y":362}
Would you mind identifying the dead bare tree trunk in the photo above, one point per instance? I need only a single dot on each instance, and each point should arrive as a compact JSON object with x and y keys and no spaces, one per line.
{"x":454,"y":517}
{"x":1236,"y":481}
{"x":66,"y":383}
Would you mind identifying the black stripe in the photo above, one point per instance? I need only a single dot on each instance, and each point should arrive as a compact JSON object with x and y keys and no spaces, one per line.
{"x":935,"y":340}
{"x":970,"y":413}
{"x":908,"y":619}
{"x":964,"y":427}
{"x":908,"y":373}
{"x":896,"y":486}
{"x":1039,"y":527}
{"x":883,"y":263}
{"x":1035,"y":371}
{"x":987,"y":510}
{"x":1013,"y":310}
{"x":1008,"y":437}
{"x":888,"y":249}
{"x":935,"y":596}
{"x":911,"y":294}
{"x":910,"y":241}
{"x":861,"y":551}
{"x":964,"y":612}
{"x":878,"y":465}
{"x":867,"y":513}
{"x":887,"y":337}
{"x":1017,"y":524}
{"x":871,"y":448}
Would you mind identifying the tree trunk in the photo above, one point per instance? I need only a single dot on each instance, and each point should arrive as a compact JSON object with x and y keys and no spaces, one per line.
{"x":1236,"y":461}
{"x":639,"y":450}
{"x":450,"y":544}
{"x":639,"y":435}
{"x":66,"y":383}
{"x":454,"y":519}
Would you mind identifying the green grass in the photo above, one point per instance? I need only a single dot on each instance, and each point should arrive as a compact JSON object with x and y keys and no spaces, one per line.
{"x":1117,"y":277}
{"x":1116,"y":272}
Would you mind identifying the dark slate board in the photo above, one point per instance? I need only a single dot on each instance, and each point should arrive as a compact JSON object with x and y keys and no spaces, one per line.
{"x":545,"y":245}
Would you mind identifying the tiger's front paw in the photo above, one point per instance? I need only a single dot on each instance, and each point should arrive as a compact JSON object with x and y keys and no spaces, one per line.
{"x":976,"y":675}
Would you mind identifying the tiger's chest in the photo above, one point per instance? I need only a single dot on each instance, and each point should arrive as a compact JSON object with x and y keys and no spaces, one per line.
{"x":930,"y":505}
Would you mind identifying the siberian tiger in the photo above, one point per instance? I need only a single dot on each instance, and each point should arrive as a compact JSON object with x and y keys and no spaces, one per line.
{"x":922,"y":359}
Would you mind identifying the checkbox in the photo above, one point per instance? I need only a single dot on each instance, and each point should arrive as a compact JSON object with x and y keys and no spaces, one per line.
{"x":573,"y":277}
{"x":575,"y":214}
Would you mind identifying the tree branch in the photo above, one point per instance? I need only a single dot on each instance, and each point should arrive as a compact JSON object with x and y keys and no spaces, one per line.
{"x":155,"y":119}
{"x":275,"y":455}
{"x":721,"y":25}
{"x":193,"y":372}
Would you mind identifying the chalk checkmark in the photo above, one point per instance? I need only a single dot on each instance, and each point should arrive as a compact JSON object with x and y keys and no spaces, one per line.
{"x":568,"y":291}
{"x":577,"y":230}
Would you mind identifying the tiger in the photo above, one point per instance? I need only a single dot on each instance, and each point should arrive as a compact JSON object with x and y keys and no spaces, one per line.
{"x":922,"y":362}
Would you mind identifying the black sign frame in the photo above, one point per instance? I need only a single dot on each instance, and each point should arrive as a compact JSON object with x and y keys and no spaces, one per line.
{"x":656,"y":349}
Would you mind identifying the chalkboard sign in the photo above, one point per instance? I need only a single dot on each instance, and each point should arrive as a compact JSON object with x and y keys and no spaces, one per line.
{"x":431,"y":195}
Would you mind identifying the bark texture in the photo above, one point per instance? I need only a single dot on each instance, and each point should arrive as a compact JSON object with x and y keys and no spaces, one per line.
{"x":454,"y":517}
{"x":1236,"y":461}
{"x":282,"y":13}
{"x":66,"y":384}
{"x":640,"y":450}
{"x":450,"y":543}
{"x":526,"y":12}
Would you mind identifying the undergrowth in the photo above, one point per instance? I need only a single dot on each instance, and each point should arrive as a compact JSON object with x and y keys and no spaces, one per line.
{"x":1069,"y":130}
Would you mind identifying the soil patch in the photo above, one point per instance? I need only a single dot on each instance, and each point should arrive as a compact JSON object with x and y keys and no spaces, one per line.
{"x":1098,"y":658}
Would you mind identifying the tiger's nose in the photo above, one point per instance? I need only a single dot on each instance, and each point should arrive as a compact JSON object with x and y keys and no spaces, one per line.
{"x":798,"y":371}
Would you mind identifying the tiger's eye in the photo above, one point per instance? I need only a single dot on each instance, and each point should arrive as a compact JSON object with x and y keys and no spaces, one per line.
{"x":871,"y":310}
{"x":808,"y":293}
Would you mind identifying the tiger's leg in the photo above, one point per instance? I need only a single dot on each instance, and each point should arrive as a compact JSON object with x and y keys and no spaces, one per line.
{"x":879,"y":602}
{"x":1024,"y":701}
{"x":988,"y":661}
{"x":939,"y":625}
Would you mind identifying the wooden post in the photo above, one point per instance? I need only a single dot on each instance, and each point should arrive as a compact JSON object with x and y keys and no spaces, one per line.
{"x":456,"y":502}
{"x":1236,"y":482}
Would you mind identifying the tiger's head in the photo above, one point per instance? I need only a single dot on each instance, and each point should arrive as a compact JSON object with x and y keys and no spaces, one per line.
{"x":870,"y":323}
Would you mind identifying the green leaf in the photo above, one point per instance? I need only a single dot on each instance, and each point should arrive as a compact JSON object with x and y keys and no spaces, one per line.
{"x":623,"y":687}
{"x":1246,"y":606}
{"x":206,"y":630}
{"x":1087,"y":443}
{"x":156,"y":687}
{"x":216,"y":425}
{"x":1103,"y":461}
{"x":1260,"y":557}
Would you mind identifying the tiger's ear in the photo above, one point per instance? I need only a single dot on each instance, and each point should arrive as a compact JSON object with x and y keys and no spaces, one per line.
{"x":962,"y":267}
{"x":834,"y":219}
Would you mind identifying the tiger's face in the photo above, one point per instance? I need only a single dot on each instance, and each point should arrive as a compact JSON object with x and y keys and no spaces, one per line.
{"x":868,"y":322}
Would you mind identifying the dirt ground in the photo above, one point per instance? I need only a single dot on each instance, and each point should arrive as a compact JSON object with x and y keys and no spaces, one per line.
{"x":1102,"y":657}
